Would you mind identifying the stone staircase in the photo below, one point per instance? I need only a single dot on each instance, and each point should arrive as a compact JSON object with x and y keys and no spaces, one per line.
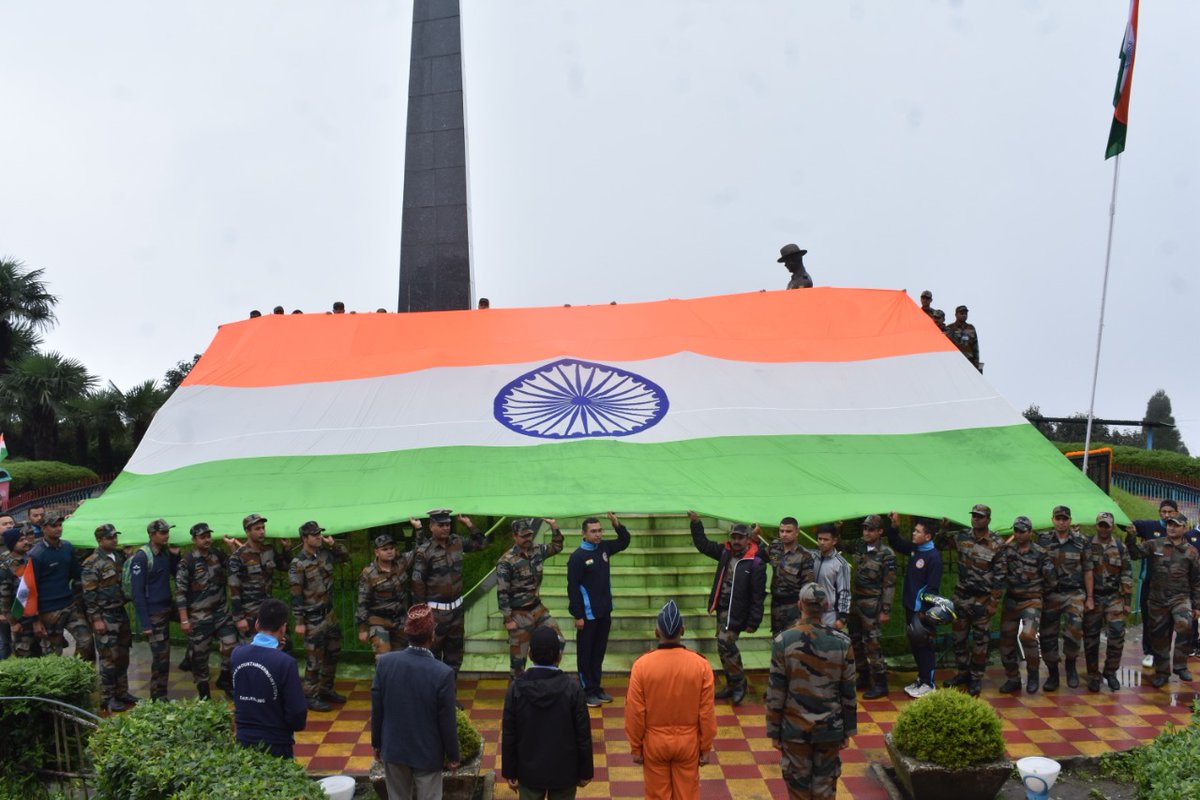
{"x":660,"y":564}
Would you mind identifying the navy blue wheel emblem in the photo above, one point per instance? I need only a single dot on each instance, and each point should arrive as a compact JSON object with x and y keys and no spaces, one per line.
{"x":572,"y":399}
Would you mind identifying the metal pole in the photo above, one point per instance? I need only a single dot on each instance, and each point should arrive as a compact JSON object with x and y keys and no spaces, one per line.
{"x":1112,"y":214}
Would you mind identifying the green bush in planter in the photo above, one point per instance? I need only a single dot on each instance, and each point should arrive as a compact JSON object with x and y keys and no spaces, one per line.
{"x":469,"y":740}
{"x":186,"y":751}
{"x":949,"y":728}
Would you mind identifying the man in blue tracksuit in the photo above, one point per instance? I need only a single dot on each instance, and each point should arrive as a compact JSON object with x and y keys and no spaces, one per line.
{"x":150,"y":571}
{"x":268,"y":699}
{"x":589,"y":594}
{"x":924,"y":572}
{"x":1147,"y":530}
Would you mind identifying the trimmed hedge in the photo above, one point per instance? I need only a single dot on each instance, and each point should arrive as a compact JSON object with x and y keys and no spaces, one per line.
{"x":1156,"y":460}
{"x":949,"y":728}
{"x":30,"y":475}
{"x":186,"y":751}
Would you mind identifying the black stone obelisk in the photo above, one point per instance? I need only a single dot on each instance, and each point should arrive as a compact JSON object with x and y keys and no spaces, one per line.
{"x":435,"y":255}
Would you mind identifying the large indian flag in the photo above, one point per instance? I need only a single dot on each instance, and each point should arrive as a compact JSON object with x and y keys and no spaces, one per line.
{"x":821,"y":404}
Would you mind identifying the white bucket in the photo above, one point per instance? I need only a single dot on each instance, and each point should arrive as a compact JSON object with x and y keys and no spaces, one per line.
{"x":1038,"y":774}
{"x":338,"y":787}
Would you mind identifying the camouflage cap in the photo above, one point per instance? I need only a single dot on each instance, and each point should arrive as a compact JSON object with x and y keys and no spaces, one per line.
{"x":1104,"y":516}
{"x":938,"y":314}
{"x":107,"y":531}
{"x":159,"y":525}
{"x":252,"y":519}
{"x":1177,"y":519}
{"x":54,"y":518}
{"x":384,"y":540}
{"x":961,"y":308}
{"x":927,"y":293}
{"x":1022,"y":524}
{"x":440,"y":515}
{"x":873,"y":522}
{"x":981,"y":509}
{"x":812,"y":594}
{"x":1061,"y":511}
{"x":200,"y":528}
{"x":311,"y":528}
{"x":522,"y":524}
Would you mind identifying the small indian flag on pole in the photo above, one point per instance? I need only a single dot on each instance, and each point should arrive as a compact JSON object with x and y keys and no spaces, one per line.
{"x":3,"y":448}
{"x":1120,"y":123}
{"x":26,"y":604}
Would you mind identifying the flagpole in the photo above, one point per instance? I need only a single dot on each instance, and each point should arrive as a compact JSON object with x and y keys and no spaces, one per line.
{"x":1112,"y":215}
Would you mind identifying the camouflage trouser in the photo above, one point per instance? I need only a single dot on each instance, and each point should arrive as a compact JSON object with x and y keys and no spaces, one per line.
{"x":113,"y":648}
{"x":1065,"y":609}
{"x":385,"y":635}
{"x":865,"y":636}
{"x":24,"y":643}
{"x":448,"y":635}
{"x":160,"y":653}
{"x":518,"y":640}
{"x":1024,"y":613}
{"x":973,"y":620}
{"x":1176,"y":618}
{"x":1108,"y":614}
{"x":70,"y":619}
{"x":783,"y":616}
{"x":811,"y":770}
{"x":727,"y":649}
{"x":207,"y":630}
{"x":322,"y":646}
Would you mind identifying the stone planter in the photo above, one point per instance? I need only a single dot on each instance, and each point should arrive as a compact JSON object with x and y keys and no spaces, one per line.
{"x":925,"y":781}
{"x":464,"y":783}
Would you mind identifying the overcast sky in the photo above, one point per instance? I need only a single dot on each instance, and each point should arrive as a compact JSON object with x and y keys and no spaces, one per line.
{"x":172,"y":166}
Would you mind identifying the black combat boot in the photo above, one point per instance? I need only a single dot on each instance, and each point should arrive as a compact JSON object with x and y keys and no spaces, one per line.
{"x":202,"y":691}
{"x":864,"y":680}
{"x":739,"y":694}
{"x":975,"y":687}
{"x":1093,"y":683}
{"x":1072,"y":674}
{"x":223,"y":682}
{"x":961,"y":679}
{"x":1051,"y":683}
{"x":1114,"y":683}
{"x":186,"y":664}
{"x":1184,"y":674}
{"x":332,"y":696}
{"x":880,"y":689}
{"x":1031,"y":682}
{"x":1011,"y":685}
{"x":723,"y":694}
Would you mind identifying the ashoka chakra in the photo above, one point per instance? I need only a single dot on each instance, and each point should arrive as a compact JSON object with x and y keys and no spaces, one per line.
{"x":572,"y":399}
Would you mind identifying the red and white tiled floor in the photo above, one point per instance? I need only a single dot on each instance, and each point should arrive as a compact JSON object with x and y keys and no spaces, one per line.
{"x":1069,"y":722}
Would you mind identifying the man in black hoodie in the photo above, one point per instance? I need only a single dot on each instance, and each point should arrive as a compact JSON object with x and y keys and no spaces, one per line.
{"x":547,"y":735}
{"x":738,"y":591}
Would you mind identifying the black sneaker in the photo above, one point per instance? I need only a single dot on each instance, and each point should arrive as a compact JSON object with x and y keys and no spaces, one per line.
{"x":317,"y":704}
{"x":604,"y":696}
{"x":1159,"y":680}
{"x":1183,"y":674}
{"x":594,"y":701}
{"x":332,"y":696}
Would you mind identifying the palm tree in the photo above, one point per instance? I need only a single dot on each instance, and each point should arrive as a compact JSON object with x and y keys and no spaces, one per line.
{"x":40,"y":388}
{"x":139,"y":405}
{"x":26,"y":308}
{"x":99,"y":413}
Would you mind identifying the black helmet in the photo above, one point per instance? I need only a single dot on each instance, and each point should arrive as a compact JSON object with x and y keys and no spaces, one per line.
{"x":918,"y":634}
{"x":937,"y":609}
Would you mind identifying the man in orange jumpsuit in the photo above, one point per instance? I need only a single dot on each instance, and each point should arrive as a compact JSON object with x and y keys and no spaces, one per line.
{"x":669,"y":716}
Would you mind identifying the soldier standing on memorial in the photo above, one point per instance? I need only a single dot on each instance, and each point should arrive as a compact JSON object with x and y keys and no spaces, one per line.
{"x":812,"y":710}
{"x":383,"y":598}
{"x":1071,"y":597}
{"x":437,"y":580}
{"x":311,"y":578}
{"x":104,"y":603}
{"x":871,"y":606}
{"x":1027,"y":573}
{"x":976,"y":596}
{"x":1112,"y":579}
{"x":204,"y":616}
{"x":931,"y":312}
{"x":251,"y":572}
{"x":1173,"y":595}
{"x":150,"y":570}
{"x":791,"y":568}
{"x":518,"y":579}
{"x":963,"y":334}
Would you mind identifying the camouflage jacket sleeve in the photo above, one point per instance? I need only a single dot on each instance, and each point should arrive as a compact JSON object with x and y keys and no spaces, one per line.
{"x":889,"y":582}
{"x":6,"y":589}
{"x":1126,"y":577}
{"x":183,"y":582}
{"x":1194,"y":576}
{"x":504,"y":586}
{"x":476,"y":541}
{"x":1049,"y":573}
{"x":89,"y":578}
{"x":296,"y":583}
{"x":556,"y":543}
{"x":235,"y":588}
{"x":849,"y":696}
{"x":777,"y":687}
{"x":364,"y":597}
{"x":1134,"y":547}
{"x":419,"y":570}
{"x":339,"y":552}
{"x":997,"y":576}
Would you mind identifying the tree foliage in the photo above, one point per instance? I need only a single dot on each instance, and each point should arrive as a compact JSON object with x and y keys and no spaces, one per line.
{"x":1158,"y":409}
{"x":26,"y":308}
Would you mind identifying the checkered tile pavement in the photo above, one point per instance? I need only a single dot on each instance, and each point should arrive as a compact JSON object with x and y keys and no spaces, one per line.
{"x":1069,"y":722}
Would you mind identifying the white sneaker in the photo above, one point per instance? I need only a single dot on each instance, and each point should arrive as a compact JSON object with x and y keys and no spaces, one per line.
{"x":1148,"y":661}
{"x":922,"y":690}
{"x":912,"y":687}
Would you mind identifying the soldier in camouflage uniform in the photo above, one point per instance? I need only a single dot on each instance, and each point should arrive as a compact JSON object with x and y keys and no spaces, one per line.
{"x":1071,"y":597}
{"x":976,"y":596}
{"x":874,"y":586}
{"x":1027,"y":573}
{"x":311,"y":579}
{"x":51,"y":623}
{"x":251,"y":572}
{"x":931,"y":312}
{"x":1112,"y":577}
{"x":812,"y":710}
{"x":437,"y":579}
{"x":383,"y":598}
{"x":963,"y":334}
{"x":518,"y":578}
{"x":791,"y":568}
{"x":203,"y":611}
{"x":104,"y":603}
{"x":24,"y":644}
{"x":1173,"y":595}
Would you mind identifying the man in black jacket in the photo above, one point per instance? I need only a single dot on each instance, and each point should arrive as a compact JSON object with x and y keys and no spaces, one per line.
{"x":268,"y":700}
{"x":150,"y":570}
{"x":738,"y":591}
{"x":547,"y":734}
{"x":589,"y":594}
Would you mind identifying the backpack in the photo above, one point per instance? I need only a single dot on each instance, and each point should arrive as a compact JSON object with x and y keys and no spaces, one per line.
{"x":127,"y":575}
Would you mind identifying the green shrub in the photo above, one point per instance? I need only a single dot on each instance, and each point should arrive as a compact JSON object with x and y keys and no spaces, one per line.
{"x":186,"y":751}
{"x":1164,"y":461}
{"x":1165,"y":769}
{"x":27,"y":744}
{"x":949,"y":728}
{"x":30,"y":475}
{"x":470,"y":743}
